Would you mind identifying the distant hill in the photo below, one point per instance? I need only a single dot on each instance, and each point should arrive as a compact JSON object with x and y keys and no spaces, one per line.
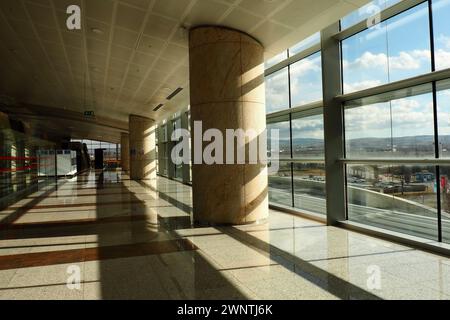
{"x":423,"y":141}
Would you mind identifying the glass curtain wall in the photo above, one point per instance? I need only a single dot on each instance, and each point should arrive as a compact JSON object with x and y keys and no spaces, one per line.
{"x":18,"y":161}
{"x":178,"y":169}
{"x":294,"y":108}
{"x":163,"y":158}
{"x":396,"y":141}
{"x":397,"y":135}
{"x":166,"y":167}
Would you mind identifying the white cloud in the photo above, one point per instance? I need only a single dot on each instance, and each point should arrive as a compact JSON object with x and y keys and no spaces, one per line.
{"x":405,"y":105}
{"x":310,"y":127}
{"x":410,"y":116}
{"x":367,"y":60}
{"x":357,"y":120}
{"x":445,"y":94}
{"x":357,"y":86}
{"x":411,"y":60}
{"x":277,"y":91}
{"x":307,"y":124}
{"x":442,"y":59}
{"x":304,"y":66}
{"x":312,"y":134}
{"x":368,"y":66}
{"x":306,"y":84}
{"x":444,"y":41}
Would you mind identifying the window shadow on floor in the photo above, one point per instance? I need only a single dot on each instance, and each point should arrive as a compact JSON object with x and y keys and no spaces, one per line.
{"x":19,"y":212}
{"x":323,"y":279}
{"x":176,"y":274}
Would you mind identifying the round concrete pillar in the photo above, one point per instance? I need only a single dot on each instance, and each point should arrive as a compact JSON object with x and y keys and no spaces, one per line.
{"x":227,"y":92}
{"x":142,"y":148}
{"x":125,"y":151}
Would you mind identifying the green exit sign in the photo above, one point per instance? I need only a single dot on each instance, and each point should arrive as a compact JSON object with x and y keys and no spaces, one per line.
{"x":89,"y":114}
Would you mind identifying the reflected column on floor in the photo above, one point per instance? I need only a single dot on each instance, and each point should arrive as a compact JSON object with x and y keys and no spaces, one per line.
{"x":142,"y":148}
{"x":227,"y":92}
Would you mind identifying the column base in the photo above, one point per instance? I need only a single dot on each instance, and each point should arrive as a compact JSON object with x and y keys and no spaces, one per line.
{"x":214,"y":224}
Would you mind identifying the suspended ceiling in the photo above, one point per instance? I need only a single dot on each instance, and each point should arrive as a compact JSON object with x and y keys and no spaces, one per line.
{"x":130,"y":54}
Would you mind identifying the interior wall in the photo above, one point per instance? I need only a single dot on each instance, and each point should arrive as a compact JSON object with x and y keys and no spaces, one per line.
{"x":18,"y":162}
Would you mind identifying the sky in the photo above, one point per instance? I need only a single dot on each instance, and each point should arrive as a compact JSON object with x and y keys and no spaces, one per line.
{"x":393,"y":50}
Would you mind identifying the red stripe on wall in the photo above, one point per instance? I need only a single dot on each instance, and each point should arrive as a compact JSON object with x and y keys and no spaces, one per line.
{"x":18,"y":158}
{"x":18,"y":169}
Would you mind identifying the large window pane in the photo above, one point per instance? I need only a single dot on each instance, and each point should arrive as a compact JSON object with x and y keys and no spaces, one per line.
{"x":309,"y":177}
{"x":307,"y":135}
{"x":280,"y":182}
{"x":441,"y":18}
{"x":445,"y":202}
{"x":443,"y":107}
{"x":443,"y":110}
{"x":309,"y":187}
{"x":393,"y":50}
{"x":281,"y":126}
{"x":365,"y":62}
{"x":408,"y":36}
{"x":306,"y":80}
{"x":280,"y":185}
{"x":177,"y":169}
{"x":396,"y":198}
{"x":396,"y":124}
{"x":277,"y":91}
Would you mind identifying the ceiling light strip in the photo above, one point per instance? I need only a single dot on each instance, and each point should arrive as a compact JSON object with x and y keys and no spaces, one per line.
{"x":173,"y":94}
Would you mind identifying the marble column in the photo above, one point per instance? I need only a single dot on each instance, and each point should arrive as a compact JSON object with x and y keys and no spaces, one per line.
{"x":142,"y":148}
{"x":227,"y":92}
{"x":125,"y":151}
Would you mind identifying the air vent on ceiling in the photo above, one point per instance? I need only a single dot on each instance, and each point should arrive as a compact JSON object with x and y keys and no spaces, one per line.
{"x":173,"y":94}
{"x":159,"y":106}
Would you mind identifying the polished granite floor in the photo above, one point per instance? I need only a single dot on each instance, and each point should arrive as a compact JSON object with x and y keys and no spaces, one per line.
{"x":102,"y":236}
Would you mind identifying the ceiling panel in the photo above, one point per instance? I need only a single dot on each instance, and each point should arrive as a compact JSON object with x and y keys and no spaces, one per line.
{"x":131,"y":54}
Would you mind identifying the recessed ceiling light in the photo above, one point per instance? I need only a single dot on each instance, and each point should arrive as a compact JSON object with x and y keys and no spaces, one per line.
{"x":173,"y":94}
{"x":159,"y":106}
{"x":97,"y":31}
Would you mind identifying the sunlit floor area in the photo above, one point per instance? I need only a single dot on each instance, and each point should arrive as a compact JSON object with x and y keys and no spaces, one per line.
{"x":102,"y":236}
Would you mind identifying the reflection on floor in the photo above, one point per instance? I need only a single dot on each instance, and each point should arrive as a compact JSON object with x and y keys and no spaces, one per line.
{"x":128,"y":240}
